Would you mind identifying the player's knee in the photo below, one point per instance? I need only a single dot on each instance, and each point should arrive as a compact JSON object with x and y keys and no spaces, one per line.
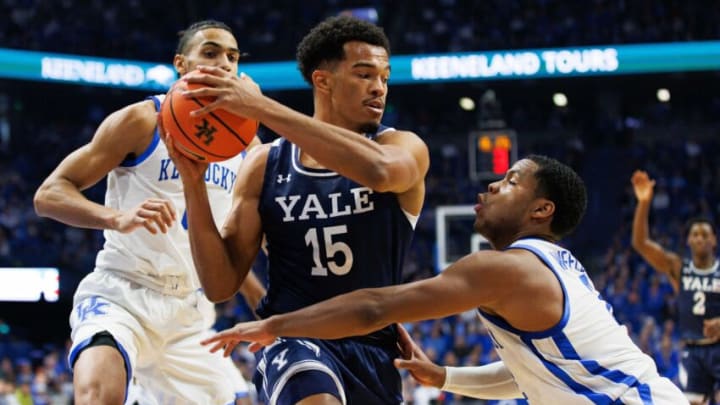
{"x":311,"y":387}
{"x":92,"y":391}
{"x":99,"y":375}
{"x":320,"y":399}
{"x":696,"y":399}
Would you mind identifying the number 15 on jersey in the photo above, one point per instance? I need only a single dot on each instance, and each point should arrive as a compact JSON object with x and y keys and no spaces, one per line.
{"x":335,"y":251}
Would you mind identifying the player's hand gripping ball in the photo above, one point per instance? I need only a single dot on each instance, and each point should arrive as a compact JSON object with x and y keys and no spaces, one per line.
{"x":218,"y":135}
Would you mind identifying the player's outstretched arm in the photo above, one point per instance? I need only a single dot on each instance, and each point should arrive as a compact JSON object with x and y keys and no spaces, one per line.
{"x":660,"y":259}
{"x":479,"y":279}
{"x":124,"y":132}
{"x":396,"y":163}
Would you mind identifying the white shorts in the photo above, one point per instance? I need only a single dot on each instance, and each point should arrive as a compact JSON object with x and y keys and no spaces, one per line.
{"x":159,"y":337}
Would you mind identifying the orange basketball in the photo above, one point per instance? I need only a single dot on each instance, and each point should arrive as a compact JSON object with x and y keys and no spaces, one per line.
{"x":218,"y":135}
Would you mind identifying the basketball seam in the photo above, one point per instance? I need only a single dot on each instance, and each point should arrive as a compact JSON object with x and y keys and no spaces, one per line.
{"x":182,"y":131}
{"x":212,"y":114}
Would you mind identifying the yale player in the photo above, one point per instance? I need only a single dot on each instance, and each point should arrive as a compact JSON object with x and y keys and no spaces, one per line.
{"x":697,"y":283}
{"x":337,"y":199}
{"x":558,"y":341}
{"x":140,"y":313}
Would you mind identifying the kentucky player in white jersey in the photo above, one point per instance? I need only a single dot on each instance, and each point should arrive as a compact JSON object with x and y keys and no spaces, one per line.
{"x":141,"y":313}
{"x":557,"y":339}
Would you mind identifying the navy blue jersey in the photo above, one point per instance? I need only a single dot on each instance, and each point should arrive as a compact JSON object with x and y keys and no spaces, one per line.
{"x":326,"y":234}
{"x":698,"y":299}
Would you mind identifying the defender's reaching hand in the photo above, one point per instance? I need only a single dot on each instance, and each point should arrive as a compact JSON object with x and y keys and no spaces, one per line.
{"x":643,"y":186}
{"x":255,"y":332}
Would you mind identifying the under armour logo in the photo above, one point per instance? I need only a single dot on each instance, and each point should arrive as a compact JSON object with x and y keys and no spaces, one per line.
{"x":91,"y":306}
{"x":282,"y":179}
{"x":206,"y":131}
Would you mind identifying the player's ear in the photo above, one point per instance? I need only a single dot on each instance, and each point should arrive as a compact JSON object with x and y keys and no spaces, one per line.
{"x":179,"y":63}
{"x":321,"y":80}
{"x":542,"y":209}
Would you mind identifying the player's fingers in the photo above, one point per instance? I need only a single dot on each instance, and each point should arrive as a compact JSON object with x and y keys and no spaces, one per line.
{"x":213,"y":70}
{"x":229,"y":347}
{"x":405,"y":342}
{"x":211,"y":339}
{"x":169,"y":143}
{"x":404,"y":364}
{"x":217,"y":346}
{"x":162,"y":208}
{"x":166,"y":213}
{"x":148,"y":224}
{"x":159,"y":122}
{"x":208,"y":78}
{"x":202,"y":92}
{"x":255,"y":346}
{"x":153,"y":216}
{"x":210,"y":107}
{"x":149,"y":213}
{"x":169,"y":207}
{"x":246,"y":78}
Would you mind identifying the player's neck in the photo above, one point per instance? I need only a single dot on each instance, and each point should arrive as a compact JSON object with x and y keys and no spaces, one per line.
{"x":328,"y":115}
{"x":703,"y":261}
{"x":308,"y":161}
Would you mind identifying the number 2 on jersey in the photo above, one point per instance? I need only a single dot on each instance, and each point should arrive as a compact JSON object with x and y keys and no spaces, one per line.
{"x":699,"y":303}
{"x":331,"y":248}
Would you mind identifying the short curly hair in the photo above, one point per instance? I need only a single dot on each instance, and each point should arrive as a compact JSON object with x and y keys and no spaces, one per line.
{"x":187,"y":34}
{"x":325,"y":42}
{"x":563,"y":186}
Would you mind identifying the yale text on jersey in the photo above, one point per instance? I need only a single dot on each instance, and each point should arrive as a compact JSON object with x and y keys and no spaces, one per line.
{"x":303,"y":207}
{"x":707,"y":284}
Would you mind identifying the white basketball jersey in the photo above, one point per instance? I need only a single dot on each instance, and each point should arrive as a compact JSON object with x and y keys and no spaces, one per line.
{"x":587,"y":358}
{"x":146,"y":258}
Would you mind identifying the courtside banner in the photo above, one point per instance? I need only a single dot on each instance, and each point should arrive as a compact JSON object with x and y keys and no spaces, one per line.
{"x":406,"y":69}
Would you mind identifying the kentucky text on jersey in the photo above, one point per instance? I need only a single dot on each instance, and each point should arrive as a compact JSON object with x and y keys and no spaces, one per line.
{"x":567,"y":261}
{"x":360,"y":202}
{"x":694,"y":283}
{"x":216,"y":174}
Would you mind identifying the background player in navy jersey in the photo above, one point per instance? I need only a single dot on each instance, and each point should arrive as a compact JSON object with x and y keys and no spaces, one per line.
{"x":697,"y":283}
{"x":558,"y":340}
{"x":336,"y":198}
{"x":140,"y":312}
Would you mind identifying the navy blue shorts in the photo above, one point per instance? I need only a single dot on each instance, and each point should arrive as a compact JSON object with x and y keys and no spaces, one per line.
{"x":702,"y":365}
{"x":354,"y":372}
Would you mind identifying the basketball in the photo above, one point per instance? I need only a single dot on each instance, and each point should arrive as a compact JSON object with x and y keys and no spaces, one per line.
{"x":216,"y":136}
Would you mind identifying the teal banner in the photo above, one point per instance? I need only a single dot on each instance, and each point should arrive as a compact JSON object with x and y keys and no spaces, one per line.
{"x":406,"y":69}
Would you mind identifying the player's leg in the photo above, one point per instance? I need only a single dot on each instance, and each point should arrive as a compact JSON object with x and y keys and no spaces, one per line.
{"x":185,"y":372}
{"x":99,"y":373}
{"x":104,"y":347}
{"x":713,"y":362}
{"x":320,"y":399}
{"x":367,"y":371}
{"x":298,"y":371}
{"x":697,"y":383}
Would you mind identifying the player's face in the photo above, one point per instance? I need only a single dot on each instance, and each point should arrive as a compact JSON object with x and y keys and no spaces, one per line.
{"x":211,"y":47}
{"x":359,"y":86}
{"x":505,"y":208}
{"x":701,"y":238}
